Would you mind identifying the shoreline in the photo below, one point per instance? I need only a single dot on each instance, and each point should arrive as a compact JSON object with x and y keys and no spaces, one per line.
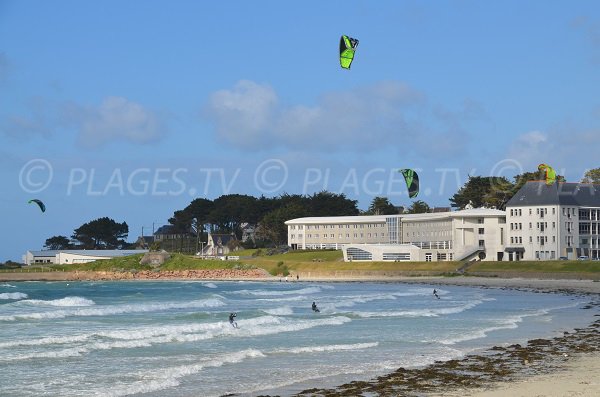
{"x":566,"y":365}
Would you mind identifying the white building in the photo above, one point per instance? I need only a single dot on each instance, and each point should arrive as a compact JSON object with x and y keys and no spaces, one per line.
{"x":66,"y":257}
{"x":458,"y":235}
{"x":548,"y":222}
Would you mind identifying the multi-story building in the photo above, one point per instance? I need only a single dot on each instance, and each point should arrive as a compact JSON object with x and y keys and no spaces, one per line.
{"x":458,"y":235}
{"x":541,"y":221}
{"x":553,"y":221}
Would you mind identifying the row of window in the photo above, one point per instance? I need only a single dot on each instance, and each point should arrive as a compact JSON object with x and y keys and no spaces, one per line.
{"x":540,"y":239}
{"x":437,"y":233}
{"x":347,"y":226}
{"x":332,"y":235}
{"x":567,"y":211}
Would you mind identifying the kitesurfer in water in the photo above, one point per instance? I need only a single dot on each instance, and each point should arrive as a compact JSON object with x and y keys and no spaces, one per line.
{"x":435,"y":293}
{"x":232,"y":316}
{"x":315,"y":308}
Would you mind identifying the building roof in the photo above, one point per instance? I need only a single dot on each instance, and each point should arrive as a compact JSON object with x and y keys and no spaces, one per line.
{"x":225,"y":238}
{"x":339,"y":219}
{"x":105,"y":253}
{"x":560,"y":193}
{"x":475,"y":212}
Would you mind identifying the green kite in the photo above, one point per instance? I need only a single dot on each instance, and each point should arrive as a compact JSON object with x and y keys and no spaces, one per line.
{"x":347,"y":49}
{"x":412,"y":182}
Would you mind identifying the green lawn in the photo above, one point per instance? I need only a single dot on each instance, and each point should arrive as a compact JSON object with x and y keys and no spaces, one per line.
{"x":537,"y":266}
{"x":326,"y":261}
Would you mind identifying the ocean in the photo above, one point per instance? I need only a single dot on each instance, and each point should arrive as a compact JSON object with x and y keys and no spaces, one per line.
{"x":143,"y":338}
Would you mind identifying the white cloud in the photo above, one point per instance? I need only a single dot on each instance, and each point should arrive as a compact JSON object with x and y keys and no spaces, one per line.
{"x":251,"y":116}
{"x":569,"y":148}
{"x":115,"y":119}
{"x":531,"y":149}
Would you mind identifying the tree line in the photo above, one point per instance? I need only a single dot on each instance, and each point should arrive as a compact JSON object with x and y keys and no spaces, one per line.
{"x":227,"y":214}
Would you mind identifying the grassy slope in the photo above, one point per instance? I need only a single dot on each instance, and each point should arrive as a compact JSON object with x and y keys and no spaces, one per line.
{"x":330,"y":261}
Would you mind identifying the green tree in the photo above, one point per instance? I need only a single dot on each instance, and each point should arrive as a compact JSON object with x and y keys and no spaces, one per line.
{"x":273,"y":228}
{"x":381,"y":206}
{"x":230,"y":210}
{"x":101,"y":233}
{"x":331,"y":204}
{"x":479,"y":191}
{"x":419,"y":207}
{"x":591,"y":176}
{"x":58,"y":243}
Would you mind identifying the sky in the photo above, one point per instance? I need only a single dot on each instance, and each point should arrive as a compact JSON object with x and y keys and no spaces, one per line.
{"x":131,"y":109}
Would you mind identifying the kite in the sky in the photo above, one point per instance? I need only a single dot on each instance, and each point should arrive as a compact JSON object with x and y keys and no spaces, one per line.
{"x":412,"y":182}
{"x":347,"y":49}
{"x":550,"y":173}
{"x":39,"y":203}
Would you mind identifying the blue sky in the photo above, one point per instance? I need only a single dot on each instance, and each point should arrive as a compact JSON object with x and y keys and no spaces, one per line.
{"x":131,"y":109}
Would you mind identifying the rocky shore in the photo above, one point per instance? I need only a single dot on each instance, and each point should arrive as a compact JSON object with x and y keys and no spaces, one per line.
{"x":200,"y":274}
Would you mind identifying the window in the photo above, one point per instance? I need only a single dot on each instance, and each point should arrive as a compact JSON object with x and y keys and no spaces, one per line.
{"x":481,"y":230}
{"x":358,"y":254}
{"x":482,"y":243}
{"x":396,"y":257}
{"x":480,"y":220}
{"x":520,"y":213}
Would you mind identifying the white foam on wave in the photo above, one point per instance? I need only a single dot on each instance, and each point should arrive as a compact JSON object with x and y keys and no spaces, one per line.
{"x":113,"y":310}
{"x":328,"y":348}
{"x":69,"y":301}
{"x":509,"y":322}
{"x":170,"y":377}
{"x":209,"y":285}
{"x":264,"y":292}
{"x":13,"y":295}
{"x":138,"y":337}
{"x":425,"y":312}
{"x":6,"y":285}
{"x":49,"y":340}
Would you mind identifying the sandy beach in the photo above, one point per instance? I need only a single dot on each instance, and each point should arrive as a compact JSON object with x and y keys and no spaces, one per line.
{"x":562,"y":366}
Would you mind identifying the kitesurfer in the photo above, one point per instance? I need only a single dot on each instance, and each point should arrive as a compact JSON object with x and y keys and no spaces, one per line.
{"x":315,"y":308}
{"x":435,"y":293}
{"x":232,"y":321}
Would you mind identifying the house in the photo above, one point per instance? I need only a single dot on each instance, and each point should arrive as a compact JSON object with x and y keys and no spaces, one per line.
{"x":248,"y":232}
{"x":220,"y":244}
{"x":66,"y":257}
{"x":168,"y":232}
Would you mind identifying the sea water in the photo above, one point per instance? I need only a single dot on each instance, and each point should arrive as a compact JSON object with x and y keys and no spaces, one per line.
{"x":174,"y":338}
